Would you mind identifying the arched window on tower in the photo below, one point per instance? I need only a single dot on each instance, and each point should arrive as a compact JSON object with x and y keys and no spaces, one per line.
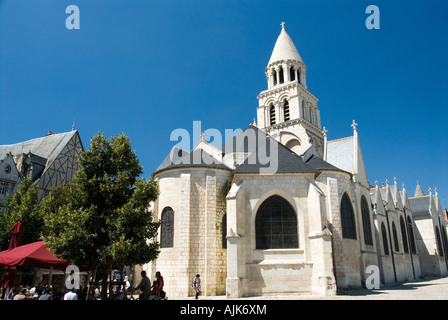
{"x":274,"y":75}
{"x":411,"y":236}
{"x":384,"y":235}
{"x":303,"y":108}
{"x":286,"y":110}
{"x":347,"y":218}
{"x":272,"y":114}
{"x":403,"y":235}
{"x":292,"y":73}
{"x":366,"y":225}
{"x":281,"y":75}
{"x":298,"y":76}
{"x":276,"y":225}
{"x":167,"y":228}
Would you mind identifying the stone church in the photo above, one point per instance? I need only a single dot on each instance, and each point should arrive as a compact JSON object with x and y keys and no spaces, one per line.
{"x":278,"y":209}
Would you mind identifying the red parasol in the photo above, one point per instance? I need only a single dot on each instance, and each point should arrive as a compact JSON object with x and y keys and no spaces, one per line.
{"x":7,"y":280}
{"x":17,"y":234}
{"x":34,"y":255}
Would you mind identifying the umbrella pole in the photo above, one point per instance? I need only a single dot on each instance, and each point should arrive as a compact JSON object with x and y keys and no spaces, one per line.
{"x":50,"y":277}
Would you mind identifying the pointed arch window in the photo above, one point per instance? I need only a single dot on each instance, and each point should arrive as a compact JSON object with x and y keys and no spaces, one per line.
{"x":167,"y":228}
{"x":411,"y":236}
{"x":403,"y":235}
{"x":439,"y":242}
{"x":272,"y":114}
{"x":366,"y":225}
{"x":385,"y":243}
{"x":276,"y":225}
{"x":395,"y":235}
{"x":347,"y":218}
{"x":286,"y":110}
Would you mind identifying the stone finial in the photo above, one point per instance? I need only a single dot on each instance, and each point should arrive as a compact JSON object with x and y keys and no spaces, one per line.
{"x":376,"y":183}
{"x":283,"y":24}
{"x":354,"y":125}
{"x":202,"y":136}
{"x":324,"y":132}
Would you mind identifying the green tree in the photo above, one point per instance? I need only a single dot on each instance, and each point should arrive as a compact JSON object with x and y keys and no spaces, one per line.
{"x":22,"y":207}
{"x":102,"y":217}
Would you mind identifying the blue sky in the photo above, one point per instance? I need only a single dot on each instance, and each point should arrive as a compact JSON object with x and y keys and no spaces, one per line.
{"x":148,"y":67}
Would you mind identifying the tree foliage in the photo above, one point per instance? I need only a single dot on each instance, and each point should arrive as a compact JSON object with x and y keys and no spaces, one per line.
{"x":102,"y":216}
{"x":22,"y":207}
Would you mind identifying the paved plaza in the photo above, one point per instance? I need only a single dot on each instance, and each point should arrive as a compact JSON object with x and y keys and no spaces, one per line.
{"x":422,"y":289}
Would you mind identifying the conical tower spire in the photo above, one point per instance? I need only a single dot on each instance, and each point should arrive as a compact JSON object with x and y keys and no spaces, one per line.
{"x":284,"y":48}
{"x":419,"y":191}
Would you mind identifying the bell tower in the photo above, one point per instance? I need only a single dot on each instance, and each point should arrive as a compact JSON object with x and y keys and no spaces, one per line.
{"x":287,"y":111}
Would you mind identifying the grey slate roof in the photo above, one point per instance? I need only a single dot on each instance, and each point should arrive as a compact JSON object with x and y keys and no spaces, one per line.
{"x":47,"y":147}
{"x":420,"y":205}
{"x":179,"y":158}
{"x":286,"y":161}
{"x":257,"y":146}
{"x":320,"y":164}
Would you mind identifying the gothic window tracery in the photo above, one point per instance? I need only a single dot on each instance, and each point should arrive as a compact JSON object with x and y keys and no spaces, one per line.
{"x":347,"y":218}
{"x":276,"y":225}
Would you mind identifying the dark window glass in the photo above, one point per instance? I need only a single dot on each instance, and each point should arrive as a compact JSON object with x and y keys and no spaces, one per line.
{"x":411,"y":236}
{"x":395,"y":235}
{"x":272,"y":114}
{"x":367,"y":227}
{"x":167,"y":228}
{"x":224,"y":231}
{"x":276,"y":225}
{"x":403,"y":235}
{"x":292,"y":74}
{"x":385,"y":243}
{"x":286,"y":109}
{"x":347,"y":218}
{"x":439,"y":242}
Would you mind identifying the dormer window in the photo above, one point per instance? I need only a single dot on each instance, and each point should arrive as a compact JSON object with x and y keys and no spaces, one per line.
{"x":8,"y":169}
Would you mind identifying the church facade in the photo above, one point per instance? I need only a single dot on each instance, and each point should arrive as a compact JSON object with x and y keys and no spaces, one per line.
{"x":278,"y":209}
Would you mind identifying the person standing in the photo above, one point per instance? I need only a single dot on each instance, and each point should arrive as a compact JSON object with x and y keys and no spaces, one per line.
{"x":145,"y":287}
{"x":71,"y":295}
{"x":197,"y":285}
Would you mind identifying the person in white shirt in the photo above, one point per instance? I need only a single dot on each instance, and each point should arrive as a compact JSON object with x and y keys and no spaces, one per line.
{"x":71,"y":295}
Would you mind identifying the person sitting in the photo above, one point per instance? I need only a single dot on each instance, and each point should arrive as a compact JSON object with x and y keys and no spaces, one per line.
{"x":155,"y":290}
